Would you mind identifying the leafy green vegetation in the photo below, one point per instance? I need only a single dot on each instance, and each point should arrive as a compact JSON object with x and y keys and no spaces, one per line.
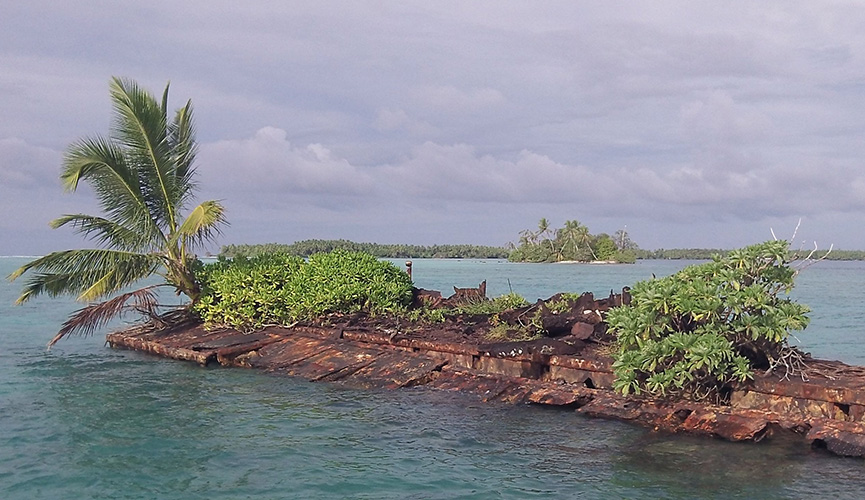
{"x":495,"y":305}
{"x":696,"y":332}
{"x":142,"y":175}
{"x":306,"y":248}
{"x":489,"y":307}
{"x":572,"y":242}
{"x":279,"y":289}
{"x":504,"y":332}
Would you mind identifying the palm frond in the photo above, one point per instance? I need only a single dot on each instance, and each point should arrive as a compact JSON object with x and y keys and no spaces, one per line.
{"x":141,"y":127}
{"x":202,"y":224}
{"x":104,"y":166}
{"x":94,"y":316}
{"x":184,"y":149}
{"x":102,"y":230}
{"x":90,"y":273}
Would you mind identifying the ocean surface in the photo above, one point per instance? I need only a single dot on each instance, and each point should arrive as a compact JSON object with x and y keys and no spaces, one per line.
{"x":85,"y":421}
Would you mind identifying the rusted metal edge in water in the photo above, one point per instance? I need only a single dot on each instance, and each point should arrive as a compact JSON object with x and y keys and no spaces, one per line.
{"x":118,"y":340}
{"x":367,"y":359}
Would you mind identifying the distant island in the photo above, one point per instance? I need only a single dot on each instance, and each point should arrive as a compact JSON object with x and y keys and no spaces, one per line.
{"x":572,"y":243}
{"x":708,"y":253}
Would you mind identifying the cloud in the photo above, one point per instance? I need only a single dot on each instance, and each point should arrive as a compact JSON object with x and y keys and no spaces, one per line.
{"x":389,"y":119}
{"x":269,"y":168}
{"x":24,"y":166}
{"x":31,"y":196}
{"x":697,"y":119}
{"x":450,"y":99}
{"x":458,"y":172}
{"x":717,"y":121}
{"x":268,"y":162}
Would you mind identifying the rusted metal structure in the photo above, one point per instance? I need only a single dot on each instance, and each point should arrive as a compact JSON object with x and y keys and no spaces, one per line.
{"x":827,"y":411}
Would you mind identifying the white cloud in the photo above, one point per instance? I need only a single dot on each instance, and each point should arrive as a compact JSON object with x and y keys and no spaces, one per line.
{"x":357,"y":116}
{"x":24,"y":166}
{"x":718,"y":121}
{"x":268,"y":162}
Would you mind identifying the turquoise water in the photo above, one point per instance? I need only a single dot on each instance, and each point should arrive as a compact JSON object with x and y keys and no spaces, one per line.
{"x":84,"y":421}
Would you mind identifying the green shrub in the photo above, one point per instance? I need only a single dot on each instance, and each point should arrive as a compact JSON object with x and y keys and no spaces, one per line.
{"x":280,"y":289}
{"x":346,"y":282}
{"x":708,"y":326}
{"x":496,"y":305}
{"x":504,"y":332}
{"x":491,"y":307}
{"x":248,"y":293}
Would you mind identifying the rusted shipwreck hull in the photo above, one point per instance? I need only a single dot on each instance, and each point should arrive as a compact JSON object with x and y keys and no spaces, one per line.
{"x":827,"y":411}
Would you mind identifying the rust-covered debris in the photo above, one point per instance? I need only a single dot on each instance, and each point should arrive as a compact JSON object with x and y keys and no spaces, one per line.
{"x":827,"y":410}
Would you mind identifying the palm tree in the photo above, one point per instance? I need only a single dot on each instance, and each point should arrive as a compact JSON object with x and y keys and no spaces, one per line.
{"x":142,"y":175}
{"x":543,"y":226}
{"x":574,"y":235}
{"x":544,"y":230}
{"x":569,"y":237}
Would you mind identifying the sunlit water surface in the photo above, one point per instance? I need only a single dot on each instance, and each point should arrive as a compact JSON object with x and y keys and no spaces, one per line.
{"x":84,"y":421}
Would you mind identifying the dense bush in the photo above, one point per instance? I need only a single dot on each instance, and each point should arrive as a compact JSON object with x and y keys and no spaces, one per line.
{"x":346,"y":282}
{"x":695,"y":332}
{"x":280,"y":289}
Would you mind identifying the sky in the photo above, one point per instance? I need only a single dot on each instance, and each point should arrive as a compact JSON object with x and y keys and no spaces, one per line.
{"x":689,"y":124}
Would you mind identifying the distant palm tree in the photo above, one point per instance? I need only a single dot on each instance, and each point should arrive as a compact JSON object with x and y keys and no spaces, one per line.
{"x":528,"y":238}
{"x":574,"y":236}
{"x":544,"y":232}
{"x":543,"y":226}
{"x":142,"y":175}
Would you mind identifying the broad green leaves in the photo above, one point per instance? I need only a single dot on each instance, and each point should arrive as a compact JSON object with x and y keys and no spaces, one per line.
{"x":281,"y":289}
{"x":708,"y":325}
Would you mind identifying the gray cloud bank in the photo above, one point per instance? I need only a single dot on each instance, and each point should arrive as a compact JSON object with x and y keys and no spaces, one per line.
{"x":461,"y":122}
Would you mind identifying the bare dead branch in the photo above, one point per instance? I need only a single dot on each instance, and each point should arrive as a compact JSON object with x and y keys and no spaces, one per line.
{"x":792,"y":361}
{"x":796,"y":231}
{"x":810,"y":260}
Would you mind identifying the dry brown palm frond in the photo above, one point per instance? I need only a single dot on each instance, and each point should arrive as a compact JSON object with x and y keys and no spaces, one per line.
{"x":87,"y":319}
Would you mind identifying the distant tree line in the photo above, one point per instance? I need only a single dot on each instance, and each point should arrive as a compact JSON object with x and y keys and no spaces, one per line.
{"x":708,"y":253}
{"x":306,"y":248}
{"x":838,"y":254}
{"x":680,"y":253}
{"x":572,"y":242}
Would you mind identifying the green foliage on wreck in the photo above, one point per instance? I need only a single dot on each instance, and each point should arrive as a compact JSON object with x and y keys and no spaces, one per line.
{"x":695,"y":333}
{"x":279,"y":289}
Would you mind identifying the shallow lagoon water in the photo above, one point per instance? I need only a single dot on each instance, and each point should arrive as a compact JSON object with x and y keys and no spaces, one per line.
{"x":85,"y":421}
